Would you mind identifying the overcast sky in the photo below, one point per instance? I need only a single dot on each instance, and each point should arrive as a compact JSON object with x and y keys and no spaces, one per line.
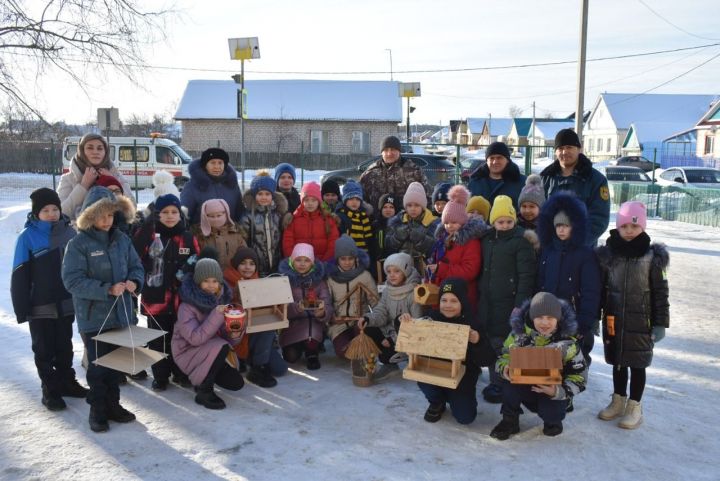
{"x":344,"y":36}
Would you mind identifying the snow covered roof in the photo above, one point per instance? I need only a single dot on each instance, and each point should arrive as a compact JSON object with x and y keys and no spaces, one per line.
{"x":654,"y":131}
{"x":712,"y":116}
{"x":549,"y":128}
{"x":293,"y":100}
{"x":498,"y":126}
{"x":628,"y":108}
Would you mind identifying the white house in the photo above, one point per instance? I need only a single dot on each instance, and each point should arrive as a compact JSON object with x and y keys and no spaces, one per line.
{"x":541,"y":135}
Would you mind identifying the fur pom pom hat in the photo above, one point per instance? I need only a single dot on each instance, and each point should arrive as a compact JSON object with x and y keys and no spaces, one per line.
{"x":263,"y":181}
{"x":533,"y":191}
{"x":455,"y":209}
{"x":164,"y":183}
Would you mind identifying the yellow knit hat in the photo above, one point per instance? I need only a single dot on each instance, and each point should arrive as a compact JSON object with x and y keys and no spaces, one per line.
{"x":480,"y":204}
{"x":502,"y":207}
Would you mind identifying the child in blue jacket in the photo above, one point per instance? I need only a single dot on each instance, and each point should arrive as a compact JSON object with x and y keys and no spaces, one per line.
{"x":40,"y":299}
{"x":102,"y":271}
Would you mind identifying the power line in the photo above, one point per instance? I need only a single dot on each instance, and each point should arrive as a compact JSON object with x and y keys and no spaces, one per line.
{"x":672,"y":24}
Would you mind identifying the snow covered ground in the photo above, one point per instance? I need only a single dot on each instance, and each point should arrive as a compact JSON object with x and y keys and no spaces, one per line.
{"x":317,"y":425}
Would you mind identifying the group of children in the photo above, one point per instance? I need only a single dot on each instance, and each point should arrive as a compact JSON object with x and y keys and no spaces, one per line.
{"x":513,"y":287}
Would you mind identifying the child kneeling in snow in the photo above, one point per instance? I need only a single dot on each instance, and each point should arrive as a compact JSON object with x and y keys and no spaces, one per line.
{"x":545,"y":321}
{"x":201,"y":346}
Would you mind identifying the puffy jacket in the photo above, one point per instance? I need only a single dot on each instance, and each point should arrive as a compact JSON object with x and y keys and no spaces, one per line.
{"x":508,"y":277}
{"x":95,"y":260}
{"x":523,"y":334}
{"x":635,"y":298}
{"x":264,"y":226}
{"x":303,"y":324}
{"x":356,"y":224}
{"x":461,"y":257}
{"x":317,"y":228}
{"x":511,"y":183}
{"x":199,"y":332}
{"x":179,"y":245}
{"x":293,"y":198}
{"x":569,"y":269}
{"x":72,"y":193}
{"x":36,"y":286}
{"x":380,"y":178}
{"x":411,"y":236}
{"x":590,"y":186}
{"x":226,"y":240}
{"x":202,"y":187}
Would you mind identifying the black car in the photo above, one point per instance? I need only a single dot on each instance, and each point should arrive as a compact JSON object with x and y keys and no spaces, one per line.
{"x":636,"y":161}
{"x":437,"y":169}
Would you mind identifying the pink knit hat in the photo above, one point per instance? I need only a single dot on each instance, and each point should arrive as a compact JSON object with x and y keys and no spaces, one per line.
{"x":454,"y":211}
{"x":632,"y":212}
{"x":311,"y":189}
{"x":303,"y":250}
{"x":212,"y":205}
{"x":415,"y":193}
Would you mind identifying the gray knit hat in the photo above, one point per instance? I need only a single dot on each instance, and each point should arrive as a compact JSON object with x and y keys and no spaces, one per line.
{"x":400,"y":260}
{"x":561,"y":218}
{"x":532,"y":191}
{"x":345,"y":246}
{"x":545,"y":304}
{"x":205,"y":269}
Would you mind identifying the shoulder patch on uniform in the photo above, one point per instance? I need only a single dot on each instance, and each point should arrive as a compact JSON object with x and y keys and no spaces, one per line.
{"x":604,"y":193}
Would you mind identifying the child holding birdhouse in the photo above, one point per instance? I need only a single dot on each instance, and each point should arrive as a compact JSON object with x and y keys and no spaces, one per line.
{"x":636,"y":310}
{"x":454,"y":308}
{"x":202,"y":344}
{"x":544,"y":322}
{"x":102,"y":271}
{"x":352,"y":289}
{"x":311,"y":310}
{"x":265,"y":361}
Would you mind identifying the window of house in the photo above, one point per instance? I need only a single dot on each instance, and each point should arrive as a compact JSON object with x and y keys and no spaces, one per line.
{"x":360,"y":142}
{"x":709,"y":144}
{"x":609,"y":144}
{"x":319,"y":141}
{"x":126,"y":154}
{"x":599,"y":145}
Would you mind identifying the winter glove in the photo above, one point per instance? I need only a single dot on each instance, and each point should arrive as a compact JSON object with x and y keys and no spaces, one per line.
{"x":658,"y":333}
{"x":402,"y":232}
{"x":417,"y":236}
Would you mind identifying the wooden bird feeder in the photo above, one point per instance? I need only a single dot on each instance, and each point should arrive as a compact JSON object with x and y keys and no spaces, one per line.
{"x":427,"y":294}
{"x":130,"y":358}
{"x":265,"y":302}
{"x":535,"y":365}
{"x":435,"y":351}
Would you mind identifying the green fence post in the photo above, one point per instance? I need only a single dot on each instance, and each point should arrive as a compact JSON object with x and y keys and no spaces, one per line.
{"x":136,"y":173}
{"x":457,"y":163}
{"x":528,"y":163}
{"x":52,"y":163}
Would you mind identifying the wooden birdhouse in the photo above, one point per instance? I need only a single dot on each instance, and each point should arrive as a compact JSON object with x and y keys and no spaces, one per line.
{"x":427,"y":294}
{"x":435,"y":351}
{"x":130,"y":357}
{"x":265,"y":302}
{"x":535,"y":365}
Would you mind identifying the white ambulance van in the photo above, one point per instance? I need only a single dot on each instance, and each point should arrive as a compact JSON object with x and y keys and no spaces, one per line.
{"x":151,"y":153}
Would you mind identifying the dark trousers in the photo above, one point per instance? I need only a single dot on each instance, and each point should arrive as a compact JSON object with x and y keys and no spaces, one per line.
{"x":637,"y":381}
{"x":263,"y":351}
{"x":550,"y":411}
{"x":104,"y":383}
{"x":377,"y":336}
{"x":463,"y":403}
{"x":586,"y":345}
{"x":53,"y":350}
{"x":164,"y":367}
{"x":222,"y":374}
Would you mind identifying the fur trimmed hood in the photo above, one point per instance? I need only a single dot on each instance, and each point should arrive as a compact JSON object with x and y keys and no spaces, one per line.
{"x":281,"y":203}
{"x":202,"y":179}
{"x":99,"y":201}
{"x":473,"y":229}
{"x":520,"y":318}
{"x":511,"y":173}
{"x":575,"y":210}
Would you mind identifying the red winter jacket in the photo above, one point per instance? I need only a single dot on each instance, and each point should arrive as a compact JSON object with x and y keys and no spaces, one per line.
{"x":463,"y":257}
{"x":317,"y":228}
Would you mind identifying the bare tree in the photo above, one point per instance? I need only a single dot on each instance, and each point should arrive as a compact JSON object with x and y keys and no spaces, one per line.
{"x":515,"y":111}
{"x":72,"y":36}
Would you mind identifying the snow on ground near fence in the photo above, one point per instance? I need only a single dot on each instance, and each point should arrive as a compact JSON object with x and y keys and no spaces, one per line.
{"x":317,"y":425}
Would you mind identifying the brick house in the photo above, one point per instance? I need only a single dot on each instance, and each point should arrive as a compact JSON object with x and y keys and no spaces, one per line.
{"x":314,"y":123}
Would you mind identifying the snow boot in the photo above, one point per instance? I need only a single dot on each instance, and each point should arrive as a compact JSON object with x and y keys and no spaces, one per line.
{"x":632,"y":418}
{"x":550,"y":429}
{"x":182,"y":380}
{"x":139,"y":376}
{"x":242,"y":365}
{"x":159,"y":385}
{"x":615,"y":409}
{"x":206,"y":396}
{"x":386,"y":371}
{"x":53,"y":402}
{"x":73,"y":388}
{"x":98,"y":419}
{"x":492,"y":393}
{"x":509,"y":425}
{"x":312,"y":361}
{"x":434,"y":412}
{"x":261,"y":376}
{"x":115,"y":412}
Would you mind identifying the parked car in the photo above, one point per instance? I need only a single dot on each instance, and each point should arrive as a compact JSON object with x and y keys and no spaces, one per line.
{"x":624,"y":174}
{"x":437,"y":168}
{"x":636,"y":161}
{"x":698,"y":177}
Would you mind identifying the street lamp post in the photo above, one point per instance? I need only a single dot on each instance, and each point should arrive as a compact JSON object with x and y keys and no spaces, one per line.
{"x":242,"y":49}
{"x":407,"y":90}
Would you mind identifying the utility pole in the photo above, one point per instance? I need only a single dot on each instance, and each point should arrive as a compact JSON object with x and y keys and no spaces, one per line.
{"x":490,"y":125}
{"x":580,"y":107}
{"x":389,"y":50}
{"x":532,"y":147}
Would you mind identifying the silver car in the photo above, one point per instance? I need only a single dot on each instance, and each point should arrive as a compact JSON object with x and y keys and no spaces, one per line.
{"x":698,"y":177}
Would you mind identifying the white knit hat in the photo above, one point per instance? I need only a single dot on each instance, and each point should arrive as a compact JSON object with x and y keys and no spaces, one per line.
{"x":164,"y":184}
